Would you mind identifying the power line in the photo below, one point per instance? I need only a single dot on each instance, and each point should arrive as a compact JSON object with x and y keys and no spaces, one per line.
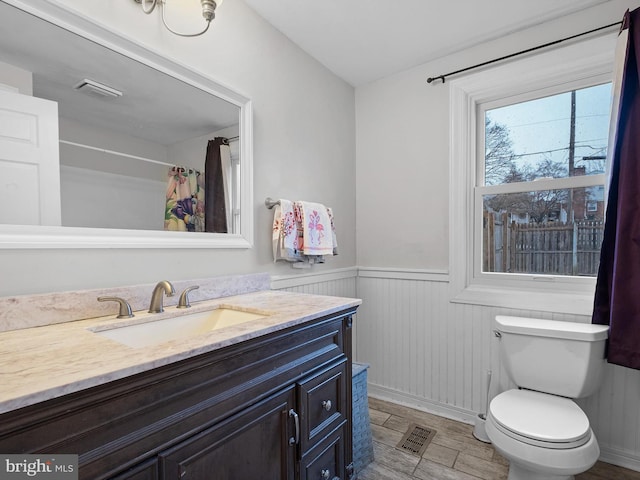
{"x":550,"y":121}
{"x":520,"y":155}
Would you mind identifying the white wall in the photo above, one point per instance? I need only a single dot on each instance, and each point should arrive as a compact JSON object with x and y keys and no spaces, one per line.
{"x":402,"y":145}
{"x":304,"y":125}
{"x":104,"y":190}
{"x":102,"y":138}
{"x":97,"y":199}
{"x":16,"y":78}
{"x":424,"y":350}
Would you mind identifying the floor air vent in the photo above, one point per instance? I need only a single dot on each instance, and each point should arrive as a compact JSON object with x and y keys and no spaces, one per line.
{"x":416,"y":440}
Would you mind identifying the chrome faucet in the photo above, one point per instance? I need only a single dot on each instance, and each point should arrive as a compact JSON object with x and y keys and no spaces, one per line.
{"x":156,"y":305}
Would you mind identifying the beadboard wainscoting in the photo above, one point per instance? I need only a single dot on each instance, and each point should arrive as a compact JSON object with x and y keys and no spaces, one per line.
{"x":429,"y":353}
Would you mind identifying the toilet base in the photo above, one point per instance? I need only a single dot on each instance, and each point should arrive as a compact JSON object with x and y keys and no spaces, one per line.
{"x":516,"y":472}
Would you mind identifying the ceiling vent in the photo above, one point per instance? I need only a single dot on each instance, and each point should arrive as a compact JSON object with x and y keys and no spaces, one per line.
{"x":97,"y":89}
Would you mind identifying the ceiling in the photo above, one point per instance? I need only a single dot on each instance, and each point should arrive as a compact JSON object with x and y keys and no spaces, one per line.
{"x":154,"y":106}
{"x":359,"y":40}
{"x":364,"y":40}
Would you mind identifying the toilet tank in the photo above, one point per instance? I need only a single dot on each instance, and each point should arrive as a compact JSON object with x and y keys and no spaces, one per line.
{"x":563,"y":358}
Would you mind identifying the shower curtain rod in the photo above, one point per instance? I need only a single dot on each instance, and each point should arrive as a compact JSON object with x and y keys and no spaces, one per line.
{"x":522,"y":52}
{"x":127,"y":155}
{"x":120,"y":154}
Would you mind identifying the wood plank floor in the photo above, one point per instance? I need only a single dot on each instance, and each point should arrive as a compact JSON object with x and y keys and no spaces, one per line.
{"x":452,"y":454}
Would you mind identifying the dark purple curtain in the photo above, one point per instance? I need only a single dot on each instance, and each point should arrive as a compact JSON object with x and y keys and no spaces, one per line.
{"x":215,"y":209}
{"x":617,"y":297}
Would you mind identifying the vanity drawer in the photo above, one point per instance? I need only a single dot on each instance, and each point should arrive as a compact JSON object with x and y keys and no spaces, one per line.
{"x":326,"y":461}
{"x":322,"y":401}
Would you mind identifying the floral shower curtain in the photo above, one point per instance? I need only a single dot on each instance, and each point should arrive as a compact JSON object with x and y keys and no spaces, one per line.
{"x":184,"y":211}
{"x":617,"y":299}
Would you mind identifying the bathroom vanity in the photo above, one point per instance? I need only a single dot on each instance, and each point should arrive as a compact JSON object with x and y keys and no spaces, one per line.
{"x":270,"y":398}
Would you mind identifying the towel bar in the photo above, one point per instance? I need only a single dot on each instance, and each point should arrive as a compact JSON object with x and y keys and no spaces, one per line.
{"x":270,"y":202}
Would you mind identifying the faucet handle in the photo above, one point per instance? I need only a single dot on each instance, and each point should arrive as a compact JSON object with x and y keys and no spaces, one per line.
{"x":183,"y":302}
{"x":125,"y":308}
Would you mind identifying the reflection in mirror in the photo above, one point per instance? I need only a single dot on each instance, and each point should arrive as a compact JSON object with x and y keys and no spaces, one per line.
{"x":92,"y":138}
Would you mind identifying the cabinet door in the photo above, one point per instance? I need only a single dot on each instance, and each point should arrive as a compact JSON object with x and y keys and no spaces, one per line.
{"x":252,"y":444}
{"x":145,"y":471}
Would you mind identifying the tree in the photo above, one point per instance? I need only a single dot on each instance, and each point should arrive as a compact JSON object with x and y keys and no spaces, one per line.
{"x":500,"y":168}
{"x":545,"y":204}
{"x":499,"y":156}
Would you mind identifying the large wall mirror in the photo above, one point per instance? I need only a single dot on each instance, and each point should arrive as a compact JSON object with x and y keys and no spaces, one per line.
{"x":105,"y":143}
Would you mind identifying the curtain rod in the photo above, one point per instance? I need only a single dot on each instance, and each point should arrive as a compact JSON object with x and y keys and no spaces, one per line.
{"x":127,"y":155}
{"x":522,"y":52}
{"x":119,"y":154}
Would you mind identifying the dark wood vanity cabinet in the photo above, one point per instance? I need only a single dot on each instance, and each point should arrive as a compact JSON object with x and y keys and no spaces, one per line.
{"x":274,"y":407}
{"x":253,"y":443}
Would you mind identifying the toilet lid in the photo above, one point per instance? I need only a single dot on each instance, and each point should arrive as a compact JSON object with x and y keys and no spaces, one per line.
{"x":540,"y":419}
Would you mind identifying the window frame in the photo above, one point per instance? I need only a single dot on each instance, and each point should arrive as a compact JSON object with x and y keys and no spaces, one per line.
{"x":578,"y":65}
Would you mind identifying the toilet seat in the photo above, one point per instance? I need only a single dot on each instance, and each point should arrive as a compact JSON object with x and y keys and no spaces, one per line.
{"x":540,"y":419}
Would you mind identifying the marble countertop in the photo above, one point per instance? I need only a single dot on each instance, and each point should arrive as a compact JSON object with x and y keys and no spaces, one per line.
{"x":46,"y":362}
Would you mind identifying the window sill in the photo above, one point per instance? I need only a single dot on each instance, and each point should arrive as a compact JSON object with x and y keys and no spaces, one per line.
{"x":564,"y":302}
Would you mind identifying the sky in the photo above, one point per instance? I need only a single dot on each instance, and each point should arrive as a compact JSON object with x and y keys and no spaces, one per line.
{"x":543,"y":125}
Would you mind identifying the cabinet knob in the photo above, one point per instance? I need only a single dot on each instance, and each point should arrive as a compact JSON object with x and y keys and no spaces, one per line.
{"x":325,"y":474}
{"x":326,"y":404}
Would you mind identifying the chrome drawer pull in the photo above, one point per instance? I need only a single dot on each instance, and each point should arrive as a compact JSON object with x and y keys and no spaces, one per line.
{"x":325,"y":474}
{"x":326,"y":404}
{"x":295,"y":440}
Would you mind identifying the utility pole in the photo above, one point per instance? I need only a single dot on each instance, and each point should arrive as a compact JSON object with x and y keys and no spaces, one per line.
{"x":572,"y":156}
{"x":572,"y":152}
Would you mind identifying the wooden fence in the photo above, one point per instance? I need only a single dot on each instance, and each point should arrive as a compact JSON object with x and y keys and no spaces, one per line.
{"x":571,"y":248}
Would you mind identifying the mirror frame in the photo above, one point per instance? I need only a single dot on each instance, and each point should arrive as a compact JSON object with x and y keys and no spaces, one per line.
{"x":44,"y":237}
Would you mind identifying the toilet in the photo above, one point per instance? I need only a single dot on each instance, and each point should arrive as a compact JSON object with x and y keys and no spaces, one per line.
{"x":537,"y":427}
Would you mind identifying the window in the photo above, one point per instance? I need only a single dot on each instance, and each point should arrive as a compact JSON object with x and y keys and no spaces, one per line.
{"x":527,"y":147}
{"x":539,"y":183}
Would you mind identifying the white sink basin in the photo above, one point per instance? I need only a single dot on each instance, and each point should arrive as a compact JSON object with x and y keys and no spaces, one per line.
{"x":155,"y":332}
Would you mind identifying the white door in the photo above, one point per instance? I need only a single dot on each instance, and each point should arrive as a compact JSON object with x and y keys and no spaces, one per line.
{"x":29,"y":161}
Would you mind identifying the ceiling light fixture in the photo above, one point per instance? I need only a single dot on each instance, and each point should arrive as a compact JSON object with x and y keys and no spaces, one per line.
{"x":208,"y":12}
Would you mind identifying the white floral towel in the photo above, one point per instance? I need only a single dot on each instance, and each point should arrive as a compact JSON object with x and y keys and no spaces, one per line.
{"x":303,"y":233}
{"x":317,"y":232}
{"x":286,"y":243}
